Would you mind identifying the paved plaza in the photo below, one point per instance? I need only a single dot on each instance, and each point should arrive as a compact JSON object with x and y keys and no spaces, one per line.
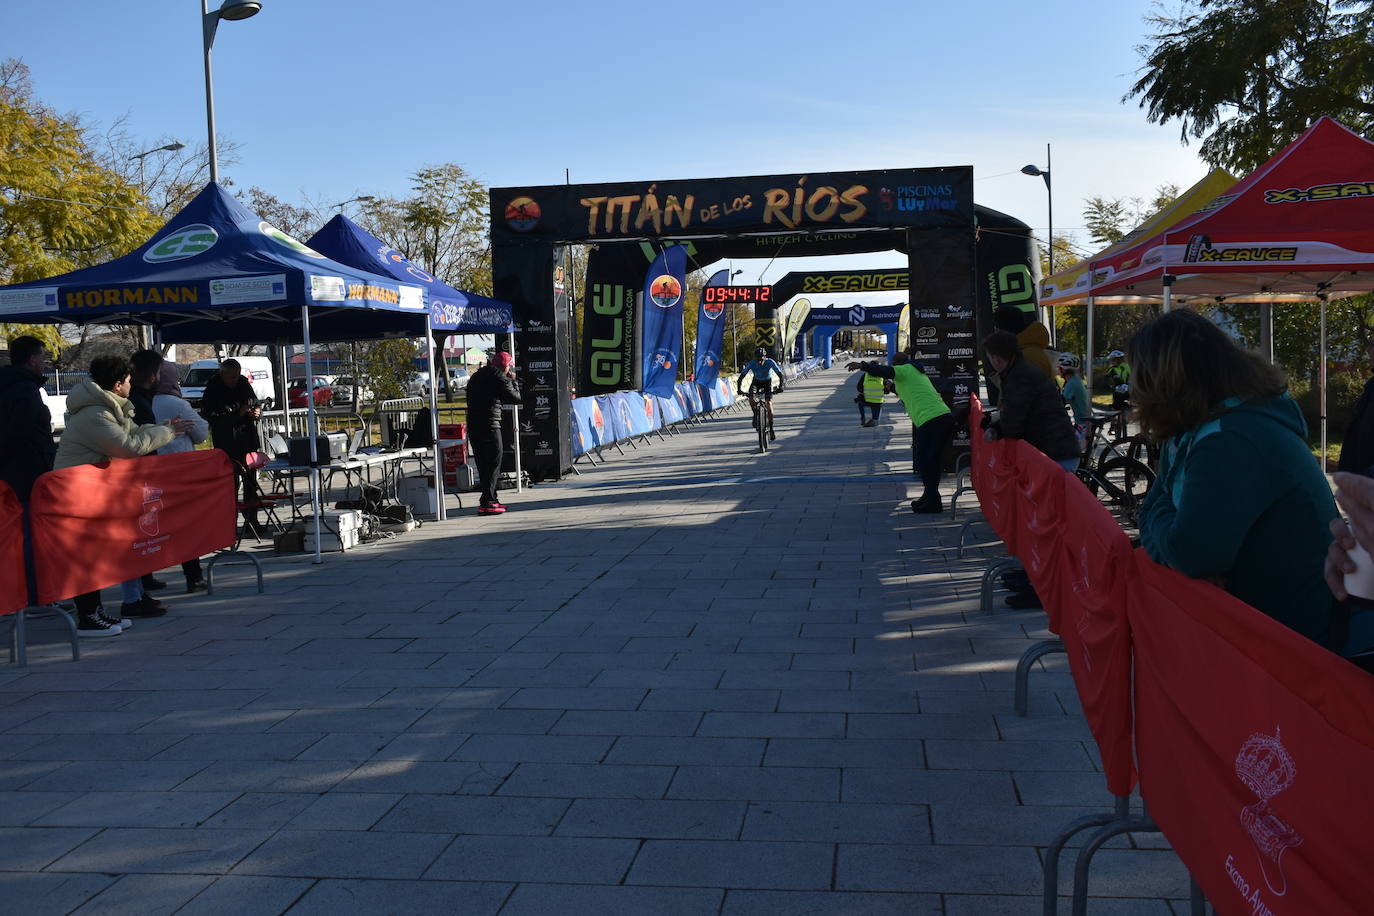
{"x":693,"y":680}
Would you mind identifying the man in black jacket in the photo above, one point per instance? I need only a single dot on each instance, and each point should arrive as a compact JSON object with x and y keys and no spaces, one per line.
{"x":231,"y":408}
{"x":26,"y":445}
{"x":490,"y":387}
{"x":1031,"y":407}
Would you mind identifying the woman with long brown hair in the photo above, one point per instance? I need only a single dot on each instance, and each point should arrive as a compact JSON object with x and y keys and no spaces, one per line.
{"x":1239,"y":498}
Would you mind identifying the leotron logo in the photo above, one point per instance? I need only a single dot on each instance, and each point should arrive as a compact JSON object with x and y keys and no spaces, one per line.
{"x":186,"y":242}
{"x":1339,"y":190}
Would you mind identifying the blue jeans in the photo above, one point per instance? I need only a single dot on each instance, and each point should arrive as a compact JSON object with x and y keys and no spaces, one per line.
{"x":1068,"y":464}
{"x":133,"y":590}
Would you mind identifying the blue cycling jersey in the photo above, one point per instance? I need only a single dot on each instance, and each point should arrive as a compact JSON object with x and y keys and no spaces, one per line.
{"x":761,"y":369}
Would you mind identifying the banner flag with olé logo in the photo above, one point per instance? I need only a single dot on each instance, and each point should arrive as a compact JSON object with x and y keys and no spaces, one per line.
{"x":610,"y":336}
{"x":710,"y":333}
{"x":664,"y":286}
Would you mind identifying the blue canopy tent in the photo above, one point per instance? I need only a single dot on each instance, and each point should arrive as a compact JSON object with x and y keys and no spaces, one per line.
{"x":217,"y":272}
{"x":451,"y":311}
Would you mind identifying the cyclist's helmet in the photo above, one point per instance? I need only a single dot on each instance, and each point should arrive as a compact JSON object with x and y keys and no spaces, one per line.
{"x":1116,"y":354}
{"x":1068,"y":361}
{"x":760,"y":353}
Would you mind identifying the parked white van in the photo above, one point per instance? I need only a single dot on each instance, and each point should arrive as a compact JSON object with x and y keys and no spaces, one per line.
{"x":257,"y":369}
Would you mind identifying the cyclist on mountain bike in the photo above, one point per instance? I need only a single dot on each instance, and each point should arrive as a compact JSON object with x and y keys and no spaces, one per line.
{"x":761,"y":368}
{"x":1119,"y":378}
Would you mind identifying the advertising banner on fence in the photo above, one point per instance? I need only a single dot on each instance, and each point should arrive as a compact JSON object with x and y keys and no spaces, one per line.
{"x":1255,"y":747}
{"x":13,"y":582}
{"x":665,"y":286}
{"x":711,"y":320}
{"x":95,"y":526}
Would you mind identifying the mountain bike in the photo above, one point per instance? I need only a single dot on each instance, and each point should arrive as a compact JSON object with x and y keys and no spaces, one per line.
{"x":1111,"y":473}
{"x":763,"y":424}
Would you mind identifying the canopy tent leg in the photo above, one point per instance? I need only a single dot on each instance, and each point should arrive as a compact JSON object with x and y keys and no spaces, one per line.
{"x":1321,"y":380}
{"x":1168,"y":292}
{"x":436,"y":452}
{"x":284,"y":385}
{"x":312,"y":429}
{"x":1267,"y":331}
{"x":1088,"y":356}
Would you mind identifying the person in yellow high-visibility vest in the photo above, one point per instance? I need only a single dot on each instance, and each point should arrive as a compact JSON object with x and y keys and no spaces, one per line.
{"x":870,"y":399}
{"x":931,"y":417}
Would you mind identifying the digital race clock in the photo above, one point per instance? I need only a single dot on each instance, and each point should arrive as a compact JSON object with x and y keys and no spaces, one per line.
{"x":726,"y":295}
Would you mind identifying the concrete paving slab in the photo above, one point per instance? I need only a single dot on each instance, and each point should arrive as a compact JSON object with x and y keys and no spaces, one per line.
{"x":343,"y":854}
{"x":571,"y":860}
{"x":714,"y":863}
{"x":332,"y":897}
{"x":232,"y":895}
{"x":155,"y":895}
{"x":832,"y":903}
{"x":161,"y":851}
{"x":492,"y":816}
{"x":49,"y":894}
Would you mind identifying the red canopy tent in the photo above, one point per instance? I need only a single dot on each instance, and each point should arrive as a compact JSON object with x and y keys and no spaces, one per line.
{"x":1301,"y":224}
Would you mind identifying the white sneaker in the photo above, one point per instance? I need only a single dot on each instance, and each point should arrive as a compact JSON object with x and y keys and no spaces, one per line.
{"x":121,"y":622}
{"x":97,"y":626}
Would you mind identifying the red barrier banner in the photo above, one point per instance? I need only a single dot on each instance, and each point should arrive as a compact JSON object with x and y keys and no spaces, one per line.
{"x":98,"y":525}
{"x":1039,"y":497}
{"x":14,"y":592}
{"x":1255,"y":748}
{"x":1088,"y":595}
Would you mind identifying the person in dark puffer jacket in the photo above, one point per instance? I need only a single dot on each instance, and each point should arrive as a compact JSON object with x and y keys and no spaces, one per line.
{"x":1031,"y":407}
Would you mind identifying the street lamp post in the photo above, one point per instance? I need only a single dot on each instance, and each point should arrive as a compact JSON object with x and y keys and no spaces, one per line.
{"x":734,"y":318}
{"x":170,"y":148}
{"x":232,"y":10}
{"x":362,"y":198}
{"x":1049,"y":193}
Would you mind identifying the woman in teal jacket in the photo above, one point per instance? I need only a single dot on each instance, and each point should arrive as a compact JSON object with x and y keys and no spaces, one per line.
{"x":1239,"y":498}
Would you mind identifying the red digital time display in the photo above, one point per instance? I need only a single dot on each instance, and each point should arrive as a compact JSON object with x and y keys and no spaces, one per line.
{"x":726,"y":295}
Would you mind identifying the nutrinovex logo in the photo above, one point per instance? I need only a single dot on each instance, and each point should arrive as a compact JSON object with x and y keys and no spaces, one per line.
{"x":186,"y":242}
{"x":281,"y":238}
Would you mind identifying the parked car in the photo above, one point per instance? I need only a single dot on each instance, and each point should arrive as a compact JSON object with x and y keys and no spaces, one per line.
{"x":419,"y":383}
{"x":343,"y":390}
{"x":324,"y":393}
{"x":57,"y":407}
{"x":257,"y":369}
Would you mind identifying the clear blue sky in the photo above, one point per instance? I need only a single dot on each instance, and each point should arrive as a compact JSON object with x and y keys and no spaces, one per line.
{"x":334,"y":98}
